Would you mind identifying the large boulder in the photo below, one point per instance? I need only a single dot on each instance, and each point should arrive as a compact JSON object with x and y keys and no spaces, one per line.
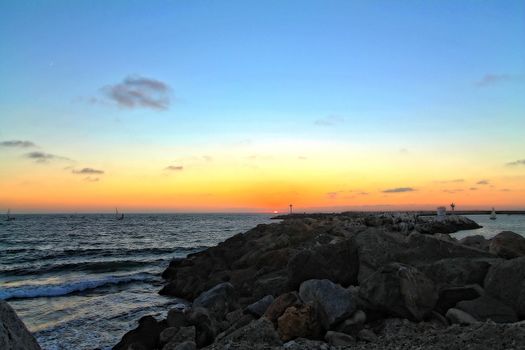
{"x":448,"y":224}
{"x":13,"y":333}
{"x":377,"y":247}
{"x":487,"y":308}
{"x":205,"y":329}
{"x":400,"y":290}
{"x":506,"y":282}
{"x":146,"y":335}
{"x":336,"y":302}
{"x":476,"y":241}
{"x":337,"y":262}
{"x":219,"y":300}
{"x":185,"y":334}
{"x":300,"y":322}
{"x":449,"y":297}
{"x":458,"y":272}
{"x":258,"y":332}
{"x":508,"y":245}
{"x":258,"y":308}
{"x":456,"y":316}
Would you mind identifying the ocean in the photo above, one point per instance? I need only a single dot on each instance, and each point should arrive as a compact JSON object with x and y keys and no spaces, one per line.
{"x":82,"y":281}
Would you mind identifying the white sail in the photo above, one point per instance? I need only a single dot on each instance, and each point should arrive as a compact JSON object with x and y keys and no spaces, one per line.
{"x":493,"y":214}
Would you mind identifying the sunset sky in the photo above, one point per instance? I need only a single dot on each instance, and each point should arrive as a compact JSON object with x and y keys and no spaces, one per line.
{"x":159,"y":106}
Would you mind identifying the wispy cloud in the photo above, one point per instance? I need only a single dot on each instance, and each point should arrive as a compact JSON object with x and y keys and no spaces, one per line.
{"x":330,"y":120}
{"x":86,"y":171}
{"x":302,"y":158}
{"x":473,"y":188}
{"x":174,"y":168}
{"x":345,"y":194}
{"x":17,"y":144}
{"x":482,"y":182}
{"x":399,"y":190}
{"x":494,"y":79}
{"x":449,"y":181}
{"x":453,"y":191}
{"x":139,"y":92}
{"x":403,"y":151}
{"x":91,"y":179}
{"x":42,"y":157}
{"x":516,"y":162}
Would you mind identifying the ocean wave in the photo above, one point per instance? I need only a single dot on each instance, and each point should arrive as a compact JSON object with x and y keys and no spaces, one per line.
{"x":86,"y":266}
{"x":53,"y":290}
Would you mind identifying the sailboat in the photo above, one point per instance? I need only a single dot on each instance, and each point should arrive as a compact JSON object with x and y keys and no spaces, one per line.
{"x":493,"y":215}
{"x":117,"y":216}
{"x":9,"y":217}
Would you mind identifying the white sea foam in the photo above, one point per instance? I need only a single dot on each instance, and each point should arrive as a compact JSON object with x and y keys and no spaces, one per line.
{"x":51,"y":290}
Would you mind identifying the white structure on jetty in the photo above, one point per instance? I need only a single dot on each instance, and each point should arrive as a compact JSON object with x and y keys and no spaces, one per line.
{"x":441,"y":213}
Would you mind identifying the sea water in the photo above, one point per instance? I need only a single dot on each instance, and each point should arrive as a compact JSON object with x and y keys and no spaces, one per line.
{"x":82,"y":281}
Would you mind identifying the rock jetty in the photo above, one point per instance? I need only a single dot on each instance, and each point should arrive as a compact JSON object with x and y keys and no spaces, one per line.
{"x":363,"y":281}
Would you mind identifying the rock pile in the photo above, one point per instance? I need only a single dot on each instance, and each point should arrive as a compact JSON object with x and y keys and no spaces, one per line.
{"x":326,"y":282}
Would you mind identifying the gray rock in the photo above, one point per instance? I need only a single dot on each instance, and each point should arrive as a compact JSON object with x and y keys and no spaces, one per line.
{"x":146,"y":335}
{"x":508,"y":245}
{"x":187,"y":345}
{"x":177,"y":318}
{"x":450,"y":296}
{"x":260,"y":331}
{"x":487,"y":308}
{"x":185,"y":334}
{"x":367,"y":335}
{"x":456,"y":316}
{"x":204,"y":326}
{"x":476,"y":241}
{"x":166,"y":335}
{"x":259,"y":307}
{"x":335,"y":301}
{"x":13,"y":333}
{"x":219,"y":300}
{"x":339,"y":339}
{"x":353,"y":324}
{"x":400,"y":290}
{"x":506,"y":282}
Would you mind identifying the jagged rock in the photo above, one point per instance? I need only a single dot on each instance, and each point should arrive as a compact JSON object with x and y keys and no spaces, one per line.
{"x":146,"y":335}
{"x":177,"y":318}
{"x":185,"y":334}
{"x":450,"y":296}
{"x":280,"y":304}
{"x":335,"y":301}
{"x":259,"y":307}
{"x":456,"y":316}
{"x":508,"y":245}
{"x":476,"y":241}
{"x":204,"y":326}
{"x":166,"y":335}
{"x":260,"y":332}
{"x":187,"y":345}
{"x":339,"y":339}
{"x":458,"y":272}
{"x":353,"y":324}
{"x":305,"y":344}
{"x":13,"y":333}
{"x":487,"y":308}
{"x":449,"y":224}
{"x":337,"y":262}
{"x":219,"y":300}
{"x":506,"y":282}
{"x":377,"y":248}
{"x":300,"y":322}
{"x":400,"y":290}
{"x":367,"y":335}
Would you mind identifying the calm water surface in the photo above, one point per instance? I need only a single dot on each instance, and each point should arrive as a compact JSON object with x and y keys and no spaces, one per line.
{"x":82,"y":281}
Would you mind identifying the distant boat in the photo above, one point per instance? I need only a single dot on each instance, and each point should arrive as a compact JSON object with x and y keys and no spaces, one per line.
{"x":118,"y":216}
{"x":493,"y":215}
{"x":9,"y":217}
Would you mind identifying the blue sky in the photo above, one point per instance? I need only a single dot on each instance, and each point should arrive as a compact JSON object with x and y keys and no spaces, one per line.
{"x":400,"y":74}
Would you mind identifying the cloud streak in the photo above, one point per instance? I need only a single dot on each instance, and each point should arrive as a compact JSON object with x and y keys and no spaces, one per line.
{"x":449,"y":181}
{"x":399,"y":190}
{"x":482,"y":182}
{"x":87,"y":171}
{"x":516,"y":162}
{"x":139,"y":92}
{"x":17,"y":144}
{"x":174,"y":168}
{"x":495,"y":79}
{"x":41,"y":157}
{"x":329,"y":120}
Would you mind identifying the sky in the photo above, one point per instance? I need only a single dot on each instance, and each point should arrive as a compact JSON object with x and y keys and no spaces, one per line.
{"x":249,"y":106}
